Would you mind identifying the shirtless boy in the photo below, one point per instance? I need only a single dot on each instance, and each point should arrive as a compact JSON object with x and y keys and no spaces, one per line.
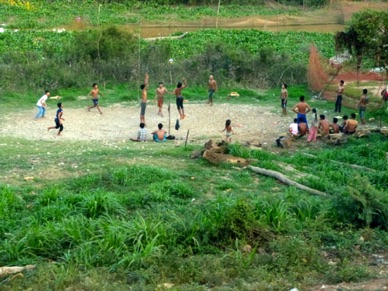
{"x":179,"y":98}
{"x":160,"y":92}
{"x":143,"y":103}
{"x":323,"y":126}
{"x":363,"y":104}
{"x":212,"y":86}
{"x":95,"y":95}
{"x":351,"y":124}
{"x":302,"y":108}
{"x":284,"y":98}
{"x":334,"y":127}
{"x":160,"y":134}
{"x":338,"y":101}
{"x":302,"y":127}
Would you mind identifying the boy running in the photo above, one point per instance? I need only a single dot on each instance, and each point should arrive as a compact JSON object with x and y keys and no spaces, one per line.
{"x":95,"y":96}
{"x":58,"y":119}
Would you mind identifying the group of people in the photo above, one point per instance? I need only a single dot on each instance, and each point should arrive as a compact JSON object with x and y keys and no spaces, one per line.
{"x":362,"y":104}
{"x":298,"y":128}
{"x":161,"y":91}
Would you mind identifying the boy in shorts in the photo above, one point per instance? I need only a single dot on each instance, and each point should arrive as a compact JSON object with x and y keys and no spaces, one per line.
{"x":95,"y":97}
{"x":58,"y":119}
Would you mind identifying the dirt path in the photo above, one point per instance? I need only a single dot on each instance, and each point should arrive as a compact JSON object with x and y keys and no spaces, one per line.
{"x":120,"y":122}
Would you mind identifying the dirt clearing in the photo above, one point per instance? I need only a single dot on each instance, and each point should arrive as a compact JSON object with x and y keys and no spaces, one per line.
{"x":120,"y":122}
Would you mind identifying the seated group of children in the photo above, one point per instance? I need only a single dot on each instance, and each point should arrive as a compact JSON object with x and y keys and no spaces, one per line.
{"x":299,"y":128}
{"x":159,"y":135}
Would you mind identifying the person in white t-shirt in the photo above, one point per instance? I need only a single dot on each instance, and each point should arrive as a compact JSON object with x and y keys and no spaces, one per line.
{"x":293,"y":128}
{"x":41,"y":104}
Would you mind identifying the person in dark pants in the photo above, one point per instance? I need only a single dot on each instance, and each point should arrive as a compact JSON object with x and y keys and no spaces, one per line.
{"x":58,"y":119}
{"x":179,"y":98}
{"x":338,"y":101}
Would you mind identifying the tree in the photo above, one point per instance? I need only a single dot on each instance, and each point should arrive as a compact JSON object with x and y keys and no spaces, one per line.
{"x":366,"y":36}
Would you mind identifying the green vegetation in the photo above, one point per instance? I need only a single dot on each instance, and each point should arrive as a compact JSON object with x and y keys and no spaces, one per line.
{"x":38,"y":60}
{"x":110,"y":216}
{"x":39,"y":15}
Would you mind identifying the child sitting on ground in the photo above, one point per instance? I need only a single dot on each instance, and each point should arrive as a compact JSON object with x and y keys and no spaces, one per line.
{"x":141,"y":133}
{"x":160,"y":135}
{"x":334,"y":127}
{"x":293,"y":128}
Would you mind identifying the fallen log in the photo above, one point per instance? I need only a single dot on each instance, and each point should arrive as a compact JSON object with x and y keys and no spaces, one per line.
{"x":5,"y":271}
{"x":216,"y":158}
{"x":284,"y":179}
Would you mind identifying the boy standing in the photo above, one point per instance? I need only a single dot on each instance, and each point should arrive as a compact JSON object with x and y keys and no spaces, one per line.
{"x":212,"y":86}
{"x":338,"y":101}
{"x":284,"y":98}
{"x":160,"y":91}
{"x":41,"y":104}
{"x":179,"y":98}
{"x":363,"y":104}
{"x":302,"y":108}
{"x":143,"y":103}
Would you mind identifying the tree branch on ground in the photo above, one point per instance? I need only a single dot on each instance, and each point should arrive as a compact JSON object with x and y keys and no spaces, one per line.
{"x":284,"y":179}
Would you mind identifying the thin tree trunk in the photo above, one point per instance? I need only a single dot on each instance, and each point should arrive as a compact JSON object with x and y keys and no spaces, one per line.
{"x":284,"y":179}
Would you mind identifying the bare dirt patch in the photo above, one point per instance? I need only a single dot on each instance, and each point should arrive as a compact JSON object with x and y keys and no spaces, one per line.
{"x":120,"y":122}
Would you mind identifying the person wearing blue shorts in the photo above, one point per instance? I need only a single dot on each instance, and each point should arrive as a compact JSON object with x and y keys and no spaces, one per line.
{"x":160,"y":135}
{"x":301,"y":109}
{"x":95,"y":92}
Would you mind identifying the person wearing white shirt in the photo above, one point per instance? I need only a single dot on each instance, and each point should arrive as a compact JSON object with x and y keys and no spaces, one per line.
{"x":41,"y":104}
{"x":293,"y":128}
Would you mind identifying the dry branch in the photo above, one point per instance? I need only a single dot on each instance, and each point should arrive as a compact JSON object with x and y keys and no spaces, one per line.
{"x":284,"y":179}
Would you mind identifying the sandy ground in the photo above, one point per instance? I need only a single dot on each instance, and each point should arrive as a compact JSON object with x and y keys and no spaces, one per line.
{"x":120,"y":122}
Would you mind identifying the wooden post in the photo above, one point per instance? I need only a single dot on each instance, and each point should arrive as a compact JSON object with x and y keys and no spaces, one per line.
{"x":187,"y":136}
{"x":218,"y":11}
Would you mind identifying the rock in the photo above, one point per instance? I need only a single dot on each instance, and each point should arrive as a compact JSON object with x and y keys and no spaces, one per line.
{"x":196,"y":155}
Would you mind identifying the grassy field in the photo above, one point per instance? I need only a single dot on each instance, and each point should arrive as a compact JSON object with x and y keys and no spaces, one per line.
{"x":117,"y":215}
